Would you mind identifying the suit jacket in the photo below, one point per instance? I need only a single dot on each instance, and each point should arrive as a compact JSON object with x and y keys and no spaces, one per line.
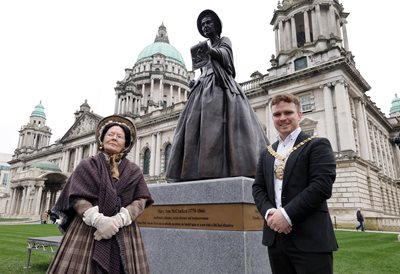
{"x":310,"y":172}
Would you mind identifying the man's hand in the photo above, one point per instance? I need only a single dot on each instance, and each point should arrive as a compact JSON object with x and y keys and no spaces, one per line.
{"x":278,"y":222}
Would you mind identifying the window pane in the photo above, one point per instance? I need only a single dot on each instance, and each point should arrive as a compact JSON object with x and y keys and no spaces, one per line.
{"x":307,"y":102}
{"x":146,"y":162}
{"x":300,"y":63}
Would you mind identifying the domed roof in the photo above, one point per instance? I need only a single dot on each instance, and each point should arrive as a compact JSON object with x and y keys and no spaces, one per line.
{"x":46,"y":165}
{"x":395,"y":105}
{"x":170,"y":52}
{"x":39,"y":111}
{"x":161,"y":46}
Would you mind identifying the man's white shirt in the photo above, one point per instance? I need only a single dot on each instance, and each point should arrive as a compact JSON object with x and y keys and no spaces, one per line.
{"x":284,"y":146}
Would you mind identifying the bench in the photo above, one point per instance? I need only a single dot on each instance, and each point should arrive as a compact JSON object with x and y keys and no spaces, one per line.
{"x":44,"y":244}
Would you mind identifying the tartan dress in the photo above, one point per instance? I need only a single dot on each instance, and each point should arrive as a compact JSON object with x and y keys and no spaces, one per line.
{"x":79,"y":252}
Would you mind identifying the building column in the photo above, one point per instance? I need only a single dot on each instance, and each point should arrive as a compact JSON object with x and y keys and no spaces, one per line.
{"x":62,"y":163}
{"x":306,"y":26}
{"x":120,"y":105}
{"x":152,"y":155}
{"x":374,"y":141}
{"x":161,"y":91}
{"x":288,"y":38}
{"x":332,"y":21}
{"x":95,"y":148}
{"x":23,"y":201}
{"x":277,"y":49}
{"x":344,"y":33}
{"x":281,"y":37}
{"x":116,"y":103}
{"x":12,"y":201}
{"x":68,"y":155}
{"x":330,"y":124}
{"x":268,"y":121}
{"x":362,"y":130}
{"x":344,"y":117}
{"x":90,"y":149}
{"x":132,"y":101}
{"x":318,"y":20}
{"x":137,"y":158}
{"x":20,"y":140}
{"x":293,"y":31}
{"x":397,"y":153}
{"x":52,"y":199}
{"x":158,"y":154}
{"x":38,"y":199}
{"x":135,"y":106}
{"x":27,"y":197}
{"x":129,"y":102}
{"x":132,"y":154}
{"x":47,"y":201}
{"x":179,"y":95}
{"x":171,"y":94}
{"x":338,"y":31}
{"x":78,"y":155}
{"x":76,"y":158}
{"x":151,"y":87}
{"x":123,"y":104}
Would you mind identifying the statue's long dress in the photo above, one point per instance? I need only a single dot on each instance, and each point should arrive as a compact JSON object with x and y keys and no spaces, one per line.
{"x":218,"y":134}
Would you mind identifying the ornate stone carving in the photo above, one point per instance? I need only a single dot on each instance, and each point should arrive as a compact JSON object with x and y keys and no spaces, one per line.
{"x":82,"y":127}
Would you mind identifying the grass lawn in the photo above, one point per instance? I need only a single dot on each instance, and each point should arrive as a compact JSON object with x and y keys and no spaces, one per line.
{"x":367,"y":253}
{"x":13,"y":252}
{"x":359,"y":253}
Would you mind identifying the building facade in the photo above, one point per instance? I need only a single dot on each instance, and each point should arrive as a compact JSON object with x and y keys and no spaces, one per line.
{"x":4,"y":181}
{"x":312,"y":60}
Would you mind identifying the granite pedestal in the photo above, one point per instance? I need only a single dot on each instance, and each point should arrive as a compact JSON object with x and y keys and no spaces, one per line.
{"x":207,"y":226}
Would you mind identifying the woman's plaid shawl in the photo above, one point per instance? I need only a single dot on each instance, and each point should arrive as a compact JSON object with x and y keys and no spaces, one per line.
{"x":92,"y":181}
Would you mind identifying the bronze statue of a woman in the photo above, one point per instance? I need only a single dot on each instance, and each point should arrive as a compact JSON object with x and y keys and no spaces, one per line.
{"x":218,"y":134}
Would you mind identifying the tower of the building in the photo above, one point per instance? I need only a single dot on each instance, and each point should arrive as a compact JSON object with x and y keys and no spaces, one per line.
{"x":35,"y":134}
{"x":162,"y":35}
{"x":313,"y":61}
{"x":308,"y":32}
{"x":82,"y":109}
{"x":395,"y":108}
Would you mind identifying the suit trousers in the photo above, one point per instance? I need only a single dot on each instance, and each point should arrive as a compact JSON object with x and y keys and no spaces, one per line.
{"x":286,"y":258}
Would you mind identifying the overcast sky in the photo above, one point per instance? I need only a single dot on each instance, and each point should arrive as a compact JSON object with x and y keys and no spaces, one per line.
{"x":63,"y":52}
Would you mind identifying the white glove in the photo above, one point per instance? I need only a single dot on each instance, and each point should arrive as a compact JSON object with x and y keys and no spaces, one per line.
{"x":123,"y":217}
{"x":106,"y":226}
{"x":90,"y":215}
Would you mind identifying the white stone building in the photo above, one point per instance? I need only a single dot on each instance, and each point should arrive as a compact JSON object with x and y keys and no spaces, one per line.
{"x":4,"y":180}
{"x":312,"y":60}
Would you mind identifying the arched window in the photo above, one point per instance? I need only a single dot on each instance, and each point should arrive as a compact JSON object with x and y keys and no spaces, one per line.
{"x":146,"y":162}
{"x":166,"y":156}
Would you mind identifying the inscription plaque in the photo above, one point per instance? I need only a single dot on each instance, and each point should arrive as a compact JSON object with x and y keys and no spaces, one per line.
{"x":238,"y":217}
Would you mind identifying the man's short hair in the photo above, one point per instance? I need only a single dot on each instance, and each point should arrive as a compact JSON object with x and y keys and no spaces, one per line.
{"x":288,"y":98}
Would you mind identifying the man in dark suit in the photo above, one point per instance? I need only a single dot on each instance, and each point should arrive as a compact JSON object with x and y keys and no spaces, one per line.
{"x":293,"y":181}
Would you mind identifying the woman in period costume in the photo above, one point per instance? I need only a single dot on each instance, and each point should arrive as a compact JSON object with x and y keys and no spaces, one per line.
{"x":218,"y":134}
{"x":99,"y":205}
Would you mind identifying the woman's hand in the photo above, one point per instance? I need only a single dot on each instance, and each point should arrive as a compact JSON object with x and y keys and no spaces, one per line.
{"x":106,"y":228}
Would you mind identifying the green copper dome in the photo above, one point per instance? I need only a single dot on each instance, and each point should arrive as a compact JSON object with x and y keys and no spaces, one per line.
{"x":46,"y":165}
{"x":395,"y":105}
{"x":165,"y":49}
{"x":39,"y":111}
